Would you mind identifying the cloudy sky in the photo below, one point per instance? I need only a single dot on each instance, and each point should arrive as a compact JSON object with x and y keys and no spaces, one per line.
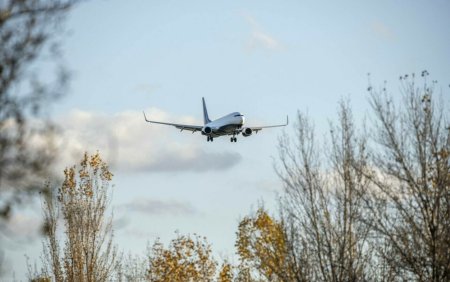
{"x":266,"y":59}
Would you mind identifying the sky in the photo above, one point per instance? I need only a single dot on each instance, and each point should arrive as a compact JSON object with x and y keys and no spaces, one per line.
{"x":266,"y":59}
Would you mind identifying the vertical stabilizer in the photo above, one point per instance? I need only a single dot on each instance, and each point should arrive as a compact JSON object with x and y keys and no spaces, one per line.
{"x":205,"y":113}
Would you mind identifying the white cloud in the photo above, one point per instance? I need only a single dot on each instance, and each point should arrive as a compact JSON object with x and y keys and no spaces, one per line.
{"x":160,"y":207}
{"x":260,"y":39}
{"x":383,"y":31}
{"x":128,"y":143}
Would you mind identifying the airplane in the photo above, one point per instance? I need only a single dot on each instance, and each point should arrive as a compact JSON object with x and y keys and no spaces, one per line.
{"x":231,"y":124}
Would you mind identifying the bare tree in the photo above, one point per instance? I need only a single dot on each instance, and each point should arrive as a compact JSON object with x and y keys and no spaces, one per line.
{"x":373,"y":206}
{"x":132,"y":269}
{"x":27,"y":36}
{"x":322,"y":203}
{"x":88,"y":253}
{"x":409,"y":205}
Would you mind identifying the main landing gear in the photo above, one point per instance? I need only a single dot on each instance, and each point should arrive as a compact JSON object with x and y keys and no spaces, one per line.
{"x":233,"y":139}
{"x":209,"y":138}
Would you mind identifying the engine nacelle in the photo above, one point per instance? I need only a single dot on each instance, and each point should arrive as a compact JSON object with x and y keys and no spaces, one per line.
{"x":207,"y":130}
{"x":247,"y":132}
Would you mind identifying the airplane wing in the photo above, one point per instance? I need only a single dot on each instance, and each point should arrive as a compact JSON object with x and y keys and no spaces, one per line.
{"x":182,"y":127}
{"x":258,"y":128}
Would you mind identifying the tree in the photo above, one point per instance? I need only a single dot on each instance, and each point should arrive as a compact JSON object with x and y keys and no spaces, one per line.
{"x":372,"y":206}
{"x":132,"y":268}
{"x":264,"y":252}
{"x":27,"y":36}
{"x":322,"y":202}
{"x":409,"y":205}
{"x":88,"y":253}
{"x":226,"y":273}
{"x":186,"y":259}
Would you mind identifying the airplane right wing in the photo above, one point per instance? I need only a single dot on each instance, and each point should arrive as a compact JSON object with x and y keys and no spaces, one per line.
{"x":182,"y":127}
{"x":258,"y":128}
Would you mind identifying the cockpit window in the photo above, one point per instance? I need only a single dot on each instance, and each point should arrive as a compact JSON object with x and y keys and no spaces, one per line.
{"x":238,"y":115}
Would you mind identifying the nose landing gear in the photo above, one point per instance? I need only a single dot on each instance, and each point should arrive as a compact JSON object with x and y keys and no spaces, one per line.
{"x":233,"y":139}
{"x":209,"y":138}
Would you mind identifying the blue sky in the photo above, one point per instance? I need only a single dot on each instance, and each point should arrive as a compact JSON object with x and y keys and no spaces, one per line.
{"x":266,"y":59}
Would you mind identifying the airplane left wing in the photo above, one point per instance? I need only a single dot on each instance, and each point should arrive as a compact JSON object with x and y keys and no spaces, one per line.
{"x":182,"y":127}
{"x":258,"y":128}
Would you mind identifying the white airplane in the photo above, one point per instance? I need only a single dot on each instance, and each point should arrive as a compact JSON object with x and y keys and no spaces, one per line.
{"x":231,"y":124}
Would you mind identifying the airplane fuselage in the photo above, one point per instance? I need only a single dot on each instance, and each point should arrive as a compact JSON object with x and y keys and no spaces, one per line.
{"x":226,"y":125}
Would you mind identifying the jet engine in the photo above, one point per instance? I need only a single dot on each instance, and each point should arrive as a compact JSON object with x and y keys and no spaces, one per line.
{"x":207,"y":130}
{"x":247,"y":132}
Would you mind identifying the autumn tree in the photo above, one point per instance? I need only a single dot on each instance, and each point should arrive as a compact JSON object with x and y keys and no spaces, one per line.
{"x":186,"y":259}
{"x":226,"y":272}
{"x":264,"y":252}
{"x":87,"y":253}
{"x":28,"y":36}
{"x":409,"y":203}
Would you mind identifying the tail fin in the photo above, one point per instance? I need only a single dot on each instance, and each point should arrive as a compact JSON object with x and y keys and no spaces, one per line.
{"x":205,"y":113}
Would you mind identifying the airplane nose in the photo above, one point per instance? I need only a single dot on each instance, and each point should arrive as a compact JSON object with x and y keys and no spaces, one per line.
{"x":242,"y":119}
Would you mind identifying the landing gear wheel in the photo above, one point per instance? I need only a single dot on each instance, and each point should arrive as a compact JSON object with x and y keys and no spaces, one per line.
{"x":233,"y":139}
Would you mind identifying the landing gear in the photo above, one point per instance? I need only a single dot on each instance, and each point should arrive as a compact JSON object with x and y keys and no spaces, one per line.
{"x":233,"y":139}
{"x":209,"y":138}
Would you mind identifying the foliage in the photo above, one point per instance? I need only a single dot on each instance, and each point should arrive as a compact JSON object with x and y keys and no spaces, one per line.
{"x":262,"y":248}
{"x":226,"y":273}
{"x":186,"y":259}
{"x":88,"y":253}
